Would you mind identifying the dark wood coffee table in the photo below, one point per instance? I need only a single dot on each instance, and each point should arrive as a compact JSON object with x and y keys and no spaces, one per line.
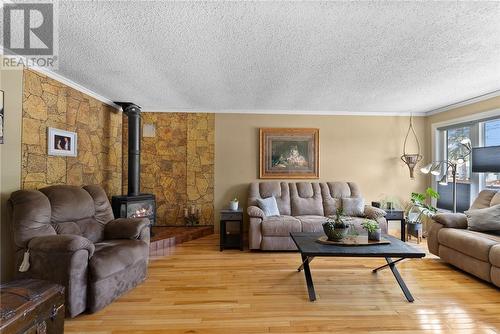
{"x":309,"y":249}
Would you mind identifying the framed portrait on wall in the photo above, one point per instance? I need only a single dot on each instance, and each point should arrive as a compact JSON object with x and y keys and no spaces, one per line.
{"x":2,"y":117}
{"x":61,"y":142}
{"x":287,"y":153}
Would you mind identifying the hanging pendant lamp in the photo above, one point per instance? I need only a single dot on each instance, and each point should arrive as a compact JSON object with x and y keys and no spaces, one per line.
{"x":411,"y":159}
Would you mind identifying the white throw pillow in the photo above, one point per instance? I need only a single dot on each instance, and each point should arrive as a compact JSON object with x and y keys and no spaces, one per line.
{"x":269,"y":206}
{"x":353,"y":206}
{"x":486,"y":219}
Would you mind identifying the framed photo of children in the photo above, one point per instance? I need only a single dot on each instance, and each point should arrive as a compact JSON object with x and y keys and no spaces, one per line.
{"x":289,"y":153}
{"x":61,"y":142}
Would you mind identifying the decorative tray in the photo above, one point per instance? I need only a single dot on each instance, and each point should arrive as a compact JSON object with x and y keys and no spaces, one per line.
{"x":360,"y":240}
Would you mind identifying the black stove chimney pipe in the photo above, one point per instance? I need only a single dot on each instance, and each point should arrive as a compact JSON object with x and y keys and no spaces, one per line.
{"x":133,"y":112}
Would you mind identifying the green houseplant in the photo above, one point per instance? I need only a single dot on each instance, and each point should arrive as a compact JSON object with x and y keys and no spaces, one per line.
{"x":373,"y":228}
{"x":336,"y":228}
{"x":420,"y":207}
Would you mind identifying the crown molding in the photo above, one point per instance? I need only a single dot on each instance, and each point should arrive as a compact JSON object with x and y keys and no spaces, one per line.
{"x":463,"y":103}
{"x":289,"y":112}
{"x":75,"y":85}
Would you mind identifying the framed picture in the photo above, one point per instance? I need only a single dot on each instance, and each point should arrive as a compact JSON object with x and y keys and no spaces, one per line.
{"x":61,"y":142}
{"x":289,"y":153}
{"x":2,"y":117}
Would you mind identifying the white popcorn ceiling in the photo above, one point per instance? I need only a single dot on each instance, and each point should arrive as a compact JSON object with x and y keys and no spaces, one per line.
{"x":303,"y":57}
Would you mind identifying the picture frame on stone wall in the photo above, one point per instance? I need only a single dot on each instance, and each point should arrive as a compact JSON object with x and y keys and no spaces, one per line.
{"x":289,"y":153}
{"x":2,"y":117}
{"x":62,"y":142}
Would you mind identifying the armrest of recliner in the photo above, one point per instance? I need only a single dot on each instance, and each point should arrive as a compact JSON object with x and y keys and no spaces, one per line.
{"x":256,"y":212}
{"x":127,"y":228}
{"x":61,"y":243}
{"x":374,"y":213}
{"x":451,"y":220}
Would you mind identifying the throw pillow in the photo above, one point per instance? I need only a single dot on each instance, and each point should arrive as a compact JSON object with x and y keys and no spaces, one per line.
{"x":486,"y":219}
{"x":269,"y":206}
{"x":353,"y":206}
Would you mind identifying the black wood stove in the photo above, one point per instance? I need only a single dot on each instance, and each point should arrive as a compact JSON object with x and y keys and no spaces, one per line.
{"x":134,"y":204}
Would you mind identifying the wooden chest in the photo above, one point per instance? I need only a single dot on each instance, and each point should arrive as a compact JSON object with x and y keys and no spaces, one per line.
{"x":31,"y":306}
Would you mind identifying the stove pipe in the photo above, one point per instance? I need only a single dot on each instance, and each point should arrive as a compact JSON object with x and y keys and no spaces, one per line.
{"x":133,"y":112}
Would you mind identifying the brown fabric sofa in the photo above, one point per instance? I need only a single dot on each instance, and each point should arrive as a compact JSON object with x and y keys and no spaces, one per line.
{"x":478,"y":253}
{"x":74,"y":240}
{"x":303,"y":207}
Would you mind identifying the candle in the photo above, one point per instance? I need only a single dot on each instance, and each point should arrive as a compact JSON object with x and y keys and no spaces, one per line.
{"x":192,"y":209}
{"x":185,"y":212}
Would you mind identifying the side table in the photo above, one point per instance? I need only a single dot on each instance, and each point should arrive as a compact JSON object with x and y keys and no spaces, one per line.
{"x":231,"y":238}
{"x":398,"y":215}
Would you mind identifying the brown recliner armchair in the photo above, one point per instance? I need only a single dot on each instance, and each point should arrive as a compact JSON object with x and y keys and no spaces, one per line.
{"x":74,"y":240}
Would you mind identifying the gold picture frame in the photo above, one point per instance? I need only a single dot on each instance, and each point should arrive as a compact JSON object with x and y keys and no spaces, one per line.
{"x":289,"y":153}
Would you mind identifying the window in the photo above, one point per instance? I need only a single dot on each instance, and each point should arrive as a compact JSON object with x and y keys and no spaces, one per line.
{"x":492,"y":138}
{"x":458,"y":153}
{"x":481,"y":133}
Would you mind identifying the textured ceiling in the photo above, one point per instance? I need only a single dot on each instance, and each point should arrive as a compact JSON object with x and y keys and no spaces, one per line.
{"x":275,"y":56}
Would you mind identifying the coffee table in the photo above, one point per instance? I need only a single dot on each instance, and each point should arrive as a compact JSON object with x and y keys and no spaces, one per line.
{"x":309,"y":249}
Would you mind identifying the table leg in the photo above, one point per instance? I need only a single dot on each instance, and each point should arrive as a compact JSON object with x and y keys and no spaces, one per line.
{"x":403,"y":230}
{"x":309,"y":259}
{"x":307,"y":273}
{"x":399,"y":279}
{"x":385,"y":266}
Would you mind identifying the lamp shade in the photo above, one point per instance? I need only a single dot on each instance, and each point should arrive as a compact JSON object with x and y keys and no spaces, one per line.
{"x":427,"y":168}
{"x":436,"y":169}
{"x":444,"y":180}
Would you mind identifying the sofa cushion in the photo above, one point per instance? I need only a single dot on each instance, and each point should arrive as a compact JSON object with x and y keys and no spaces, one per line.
{"x":311,"y":223}
{"x":29,"y":211}
{"x":496,"y":199}
{"x":354,"y":206}
{"x":69,"y":203}
{"x":332,"y":192}
{"x":495,"y":255}
{"x":486,"y":219}
{"x":306,"y":199}
{"x":269,"y":206}
{"x":111,"y":257}
{"x":280,"y":226}
{"x":103,"y":210}
{"x":483,"y":199}
{"x":279,"y":190}
{"x":474,"y":244}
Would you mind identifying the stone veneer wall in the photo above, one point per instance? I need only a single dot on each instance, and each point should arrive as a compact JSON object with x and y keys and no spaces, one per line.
{"x":49,"y":103}
{"x":177,"y":165}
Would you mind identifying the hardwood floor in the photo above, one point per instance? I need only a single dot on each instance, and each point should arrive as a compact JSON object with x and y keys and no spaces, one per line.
{"x":198,"y":289}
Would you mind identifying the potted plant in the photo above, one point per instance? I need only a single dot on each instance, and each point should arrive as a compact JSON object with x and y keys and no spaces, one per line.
{"x":336,"y":228}
{"x":233,"y":204}
{"x":419,"y":209}
{"x":373,"y":228}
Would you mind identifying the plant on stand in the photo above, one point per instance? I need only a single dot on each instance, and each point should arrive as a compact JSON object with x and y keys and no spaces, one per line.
{"x":420,"y":208}
{"x":336,"y":228}
{"x":373,"y":228}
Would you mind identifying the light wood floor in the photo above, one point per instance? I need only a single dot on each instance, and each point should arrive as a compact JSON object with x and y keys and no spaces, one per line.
{"x":198,"y":289}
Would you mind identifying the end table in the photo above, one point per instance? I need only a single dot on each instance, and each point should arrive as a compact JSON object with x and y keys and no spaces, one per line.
{"x":398,"y":215}
{"x":230,"y":238}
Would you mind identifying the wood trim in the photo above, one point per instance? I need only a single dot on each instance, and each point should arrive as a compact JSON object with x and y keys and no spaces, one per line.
{"x":288,"y":131}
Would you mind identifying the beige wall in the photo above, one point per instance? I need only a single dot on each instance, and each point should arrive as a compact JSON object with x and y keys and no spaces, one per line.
{"x":10,"y":160}
{"x":365,"y":150}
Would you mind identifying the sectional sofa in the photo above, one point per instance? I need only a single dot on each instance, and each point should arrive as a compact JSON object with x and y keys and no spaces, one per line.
{"x":477,"y":253}
{"x":303,"y":207}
